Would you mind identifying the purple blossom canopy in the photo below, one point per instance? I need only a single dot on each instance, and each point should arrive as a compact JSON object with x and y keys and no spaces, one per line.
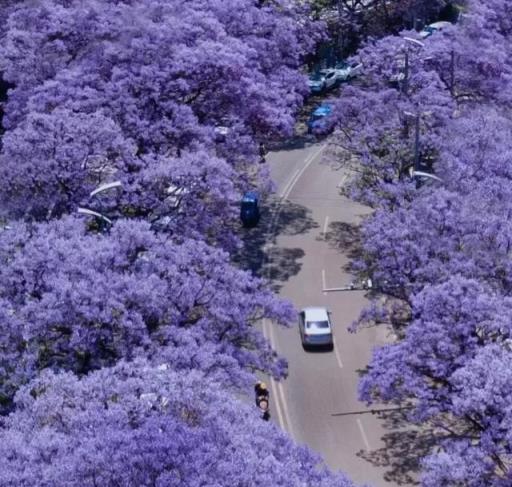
{"x":141,"y":424}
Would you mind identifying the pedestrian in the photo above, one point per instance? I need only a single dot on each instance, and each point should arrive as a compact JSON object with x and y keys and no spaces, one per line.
{"x":263,"y":153}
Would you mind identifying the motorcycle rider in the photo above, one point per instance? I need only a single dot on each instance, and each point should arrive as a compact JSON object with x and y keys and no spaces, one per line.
{"x":261,"y":391}
{"x":262,"y":394}
{"x":263,"y":153}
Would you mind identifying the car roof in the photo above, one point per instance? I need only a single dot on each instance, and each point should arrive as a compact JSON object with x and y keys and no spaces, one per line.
{"x":315,"y":314}
{"x":250,"y":196}
{"x":440,"y":24}
{"x":322,"y":110}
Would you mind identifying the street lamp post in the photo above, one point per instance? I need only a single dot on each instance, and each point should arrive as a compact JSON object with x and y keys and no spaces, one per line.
{"x":102,"y":219}
{"x":374,"y":411}
{"x":416,"y":117}
{"x":405,"y":84}
{"x":416,"y":172}
{"x":452,"y":72}
{"x":417,"y":142}
{"x":363,"y":286}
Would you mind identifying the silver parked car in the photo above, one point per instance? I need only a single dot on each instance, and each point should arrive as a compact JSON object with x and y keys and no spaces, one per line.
{"x":315,"y":328}
{"x":345,"y":71}
{"x":435,"y":27}
{"x":330,"y":76}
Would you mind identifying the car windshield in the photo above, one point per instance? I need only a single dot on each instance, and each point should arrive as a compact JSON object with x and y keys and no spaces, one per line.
{"x":320,"y":112}
{"x":248,"y":205}
{"x":317,"y":324}
{"x":317,"y":117}
{"x":316,"y":77}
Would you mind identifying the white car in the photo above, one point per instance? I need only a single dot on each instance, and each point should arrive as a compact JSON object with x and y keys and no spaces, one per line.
{"x":315,"y":328}
{"x":330,"y":77}
{"x":322,"y":80}
{"x":431,"y":28}
{"x":345,"y":71}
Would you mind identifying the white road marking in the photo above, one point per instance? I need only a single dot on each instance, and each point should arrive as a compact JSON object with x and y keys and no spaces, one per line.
{"x":273,"y":385}
{"x":277,"y":388}
{"x":290,"y":182}
{"x":342,"y":181}
{"x":363,"y":434}
{"x":326,"y":223}
{"x":287,"y":425}
{"x":324,"y":285}
{"x":280,"y":417}
{"x":337,"y":353}
{"x":297,"y":176}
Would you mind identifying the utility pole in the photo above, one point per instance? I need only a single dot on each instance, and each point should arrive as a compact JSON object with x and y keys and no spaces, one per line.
{"x":417,"y":142}
{"x":340,"y":34}
{"x":405,"y":85}
{"x":452,"y":72}
{"x":362,"y":286}
{"x":373,"y":411}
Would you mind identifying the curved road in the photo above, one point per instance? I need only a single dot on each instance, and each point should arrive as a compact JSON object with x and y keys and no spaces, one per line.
{"x":314,"y":227}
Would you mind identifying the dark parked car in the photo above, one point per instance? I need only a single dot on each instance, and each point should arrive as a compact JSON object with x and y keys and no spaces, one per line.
{"x":318,"y":118}
{"x":249,"y":210}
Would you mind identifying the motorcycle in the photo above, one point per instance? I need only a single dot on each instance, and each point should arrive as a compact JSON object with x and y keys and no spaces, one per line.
{"x":262,"y":402}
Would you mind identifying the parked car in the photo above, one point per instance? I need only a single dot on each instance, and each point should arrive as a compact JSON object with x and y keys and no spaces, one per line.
{"x":318,"y":118}
{"x":315,"y":328}
{"x":322,"y":80}
{"x":249,"y":209}
{"x":431,"y":28}
{"x":221,"y":133}
{"x":331,"y":77}
{"x":345,"y":71}
{"x":316,"y":83}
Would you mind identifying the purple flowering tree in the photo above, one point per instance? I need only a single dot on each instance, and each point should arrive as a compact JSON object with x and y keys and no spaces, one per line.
{"x":374,"y":121}
{"x":439,"y":254}
{"x":162,"y":78}
{"x":141,"y":424}
{"x":79,"y":301}
{"x":478,"y":452}
{"x":122,"y":350}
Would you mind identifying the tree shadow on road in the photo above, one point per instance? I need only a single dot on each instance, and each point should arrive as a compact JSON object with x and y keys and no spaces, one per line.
{"x":346,"y":238}
{"x":259,"y":253}
{"x":299,"y":141}
{"x":281,"y":264}
{"x":404,"y":448}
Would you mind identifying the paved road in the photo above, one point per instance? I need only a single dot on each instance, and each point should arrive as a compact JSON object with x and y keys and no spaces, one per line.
{"x":315,"y":229}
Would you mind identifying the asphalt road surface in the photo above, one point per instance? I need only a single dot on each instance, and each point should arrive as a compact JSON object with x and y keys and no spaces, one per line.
{"x":311,"y":232}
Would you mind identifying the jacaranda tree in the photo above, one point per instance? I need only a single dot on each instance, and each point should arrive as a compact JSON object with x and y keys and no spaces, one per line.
{"x":78,"y":301}
{"x":439,"y":253}
{"x":141,"y":424}
{"x":162,"y":78}
{"x":125,"y":346}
